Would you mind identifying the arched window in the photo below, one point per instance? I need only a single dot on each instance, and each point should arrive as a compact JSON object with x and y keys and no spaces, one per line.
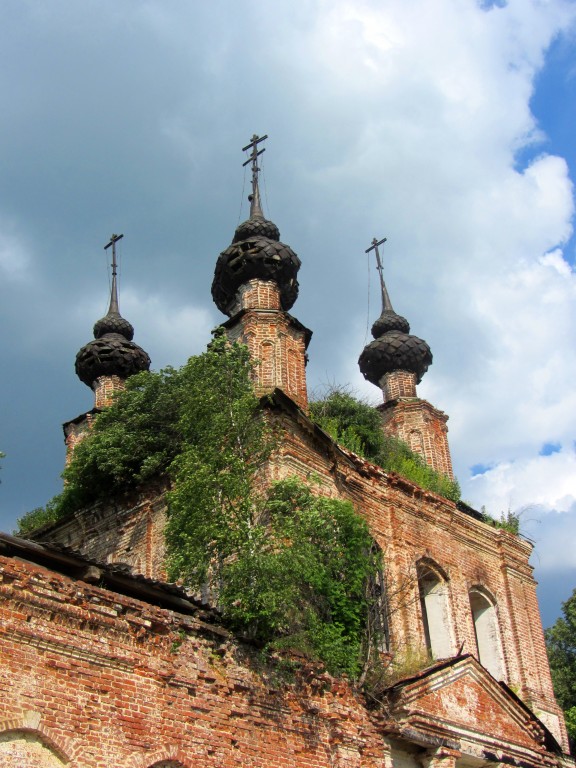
{"x":378,"y":626}
{"x":25,"y":748}
{"x":267,"y":372}
{"x":433,"y":588}
{"x":487,"y":632}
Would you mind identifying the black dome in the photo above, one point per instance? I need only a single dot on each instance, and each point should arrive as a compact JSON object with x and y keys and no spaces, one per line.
{"x":255,"y":256}
{"x":110,"y":355}
{"x":395,"y":351}
{"x":390,"y":321}
{"x":113,"y":322}
{"x":256,"y":227}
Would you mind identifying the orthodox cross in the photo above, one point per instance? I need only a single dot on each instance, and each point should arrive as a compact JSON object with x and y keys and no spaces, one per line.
{"x":114,"y":290}
{"x":386,"y":303}
{"x":255,"y":208}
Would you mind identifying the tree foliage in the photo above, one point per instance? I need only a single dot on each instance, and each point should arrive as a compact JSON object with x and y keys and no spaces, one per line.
{"x":286,"y":567}
{"x":561,"y":646}
{"x":150,"y":423}
{"x":357,"y":426}
{"x":290,"y":571}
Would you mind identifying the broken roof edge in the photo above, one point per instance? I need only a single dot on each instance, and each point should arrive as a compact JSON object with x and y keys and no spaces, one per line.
{"x":114,"y":577}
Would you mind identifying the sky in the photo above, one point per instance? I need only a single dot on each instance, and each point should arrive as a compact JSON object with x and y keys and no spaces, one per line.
{"x":445,"y":126}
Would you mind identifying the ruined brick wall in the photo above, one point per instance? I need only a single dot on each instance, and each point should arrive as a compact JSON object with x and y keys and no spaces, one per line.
{"x":413,"y":526}
{"x":92,"y":678}
{"x":100,"y":679}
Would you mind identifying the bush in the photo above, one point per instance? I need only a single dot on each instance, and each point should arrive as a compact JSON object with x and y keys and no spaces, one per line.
{"x":357,"y":426}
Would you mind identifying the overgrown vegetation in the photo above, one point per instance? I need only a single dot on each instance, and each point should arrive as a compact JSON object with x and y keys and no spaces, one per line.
{"x":290,"y":569}
{"x":508,"y":521}
{"x":287,"y":567}
{"x":561,"y":647}
{"x":158,"y":417}
{"x":356,"y":425}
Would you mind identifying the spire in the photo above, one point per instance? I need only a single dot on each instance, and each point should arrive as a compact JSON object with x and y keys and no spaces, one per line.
{"x":112,"y":352}
{"x":255,"y":204}
{"x":393,"y":348}
{"x":388,"y":320}
{"x":386,"y":303}
{"x":256,"y":251}
{"x":113,"y":322}
{"x":114,"y":290}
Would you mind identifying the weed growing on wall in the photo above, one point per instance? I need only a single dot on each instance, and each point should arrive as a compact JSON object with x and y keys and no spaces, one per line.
{"x":357,"y":426}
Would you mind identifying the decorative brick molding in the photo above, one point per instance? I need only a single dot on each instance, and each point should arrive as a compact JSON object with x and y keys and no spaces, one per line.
{"x":277,"y":341}
{"x":422,"y":427}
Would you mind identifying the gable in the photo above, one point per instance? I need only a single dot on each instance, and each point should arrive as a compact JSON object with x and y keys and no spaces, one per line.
{"x":462,"y":700}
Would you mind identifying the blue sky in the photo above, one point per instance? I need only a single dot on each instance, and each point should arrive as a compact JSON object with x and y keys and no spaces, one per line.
{"x":444,"y":125}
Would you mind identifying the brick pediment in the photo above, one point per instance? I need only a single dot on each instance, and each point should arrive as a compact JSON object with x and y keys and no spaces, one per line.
{"x":460,"y":701}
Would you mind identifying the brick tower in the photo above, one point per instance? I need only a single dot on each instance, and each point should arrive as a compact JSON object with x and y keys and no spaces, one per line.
{"x":255,"y":285}
{"x":396,"y":361}
{"x":105,"y":363}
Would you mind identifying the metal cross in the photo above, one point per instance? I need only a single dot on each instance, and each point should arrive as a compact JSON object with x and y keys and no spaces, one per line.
{"x":386,"y":304}
{"x":254,"y":159}
{"x":114,"y":288}
{"x":113,"y":240}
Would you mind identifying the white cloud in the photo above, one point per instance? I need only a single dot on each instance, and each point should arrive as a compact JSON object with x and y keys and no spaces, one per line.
{"x":400,"y":119}
{"x":544,"y":482}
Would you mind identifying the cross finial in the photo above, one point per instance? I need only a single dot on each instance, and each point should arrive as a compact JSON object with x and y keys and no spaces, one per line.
{"x":386,"y":303}
{"x":114,"y":289}
{"x":255,"y":207}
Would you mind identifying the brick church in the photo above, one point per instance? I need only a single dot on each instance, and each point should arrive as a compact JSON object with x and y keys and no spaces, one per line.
{"x":106,"y":664}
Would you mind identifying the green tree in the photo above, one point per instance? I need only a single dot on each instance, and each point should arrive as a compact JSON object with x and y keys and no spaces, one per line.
{"x":286,"y":567}
{"x":561,"y":646}
{"x":290,"y":572}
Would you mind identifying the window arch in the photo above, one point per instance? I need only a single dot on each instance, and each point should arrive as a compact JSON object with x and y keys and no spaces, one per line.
{"x":378,"y":623}
{"x":487,"y":632}
{"x":433,"y":589}
{"x":29,"y":748}
{"x":266,"y":356}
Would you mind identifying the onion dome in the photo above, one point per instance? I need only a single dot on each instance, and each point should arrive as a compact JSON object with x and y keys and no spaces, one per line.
{"x":390,"y":321}
{"x":393,"y":348}
{"x":113,"y":322}
{"x":395,"y":351}
{"x":255,"y":253}
{"x":112,"y":353}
